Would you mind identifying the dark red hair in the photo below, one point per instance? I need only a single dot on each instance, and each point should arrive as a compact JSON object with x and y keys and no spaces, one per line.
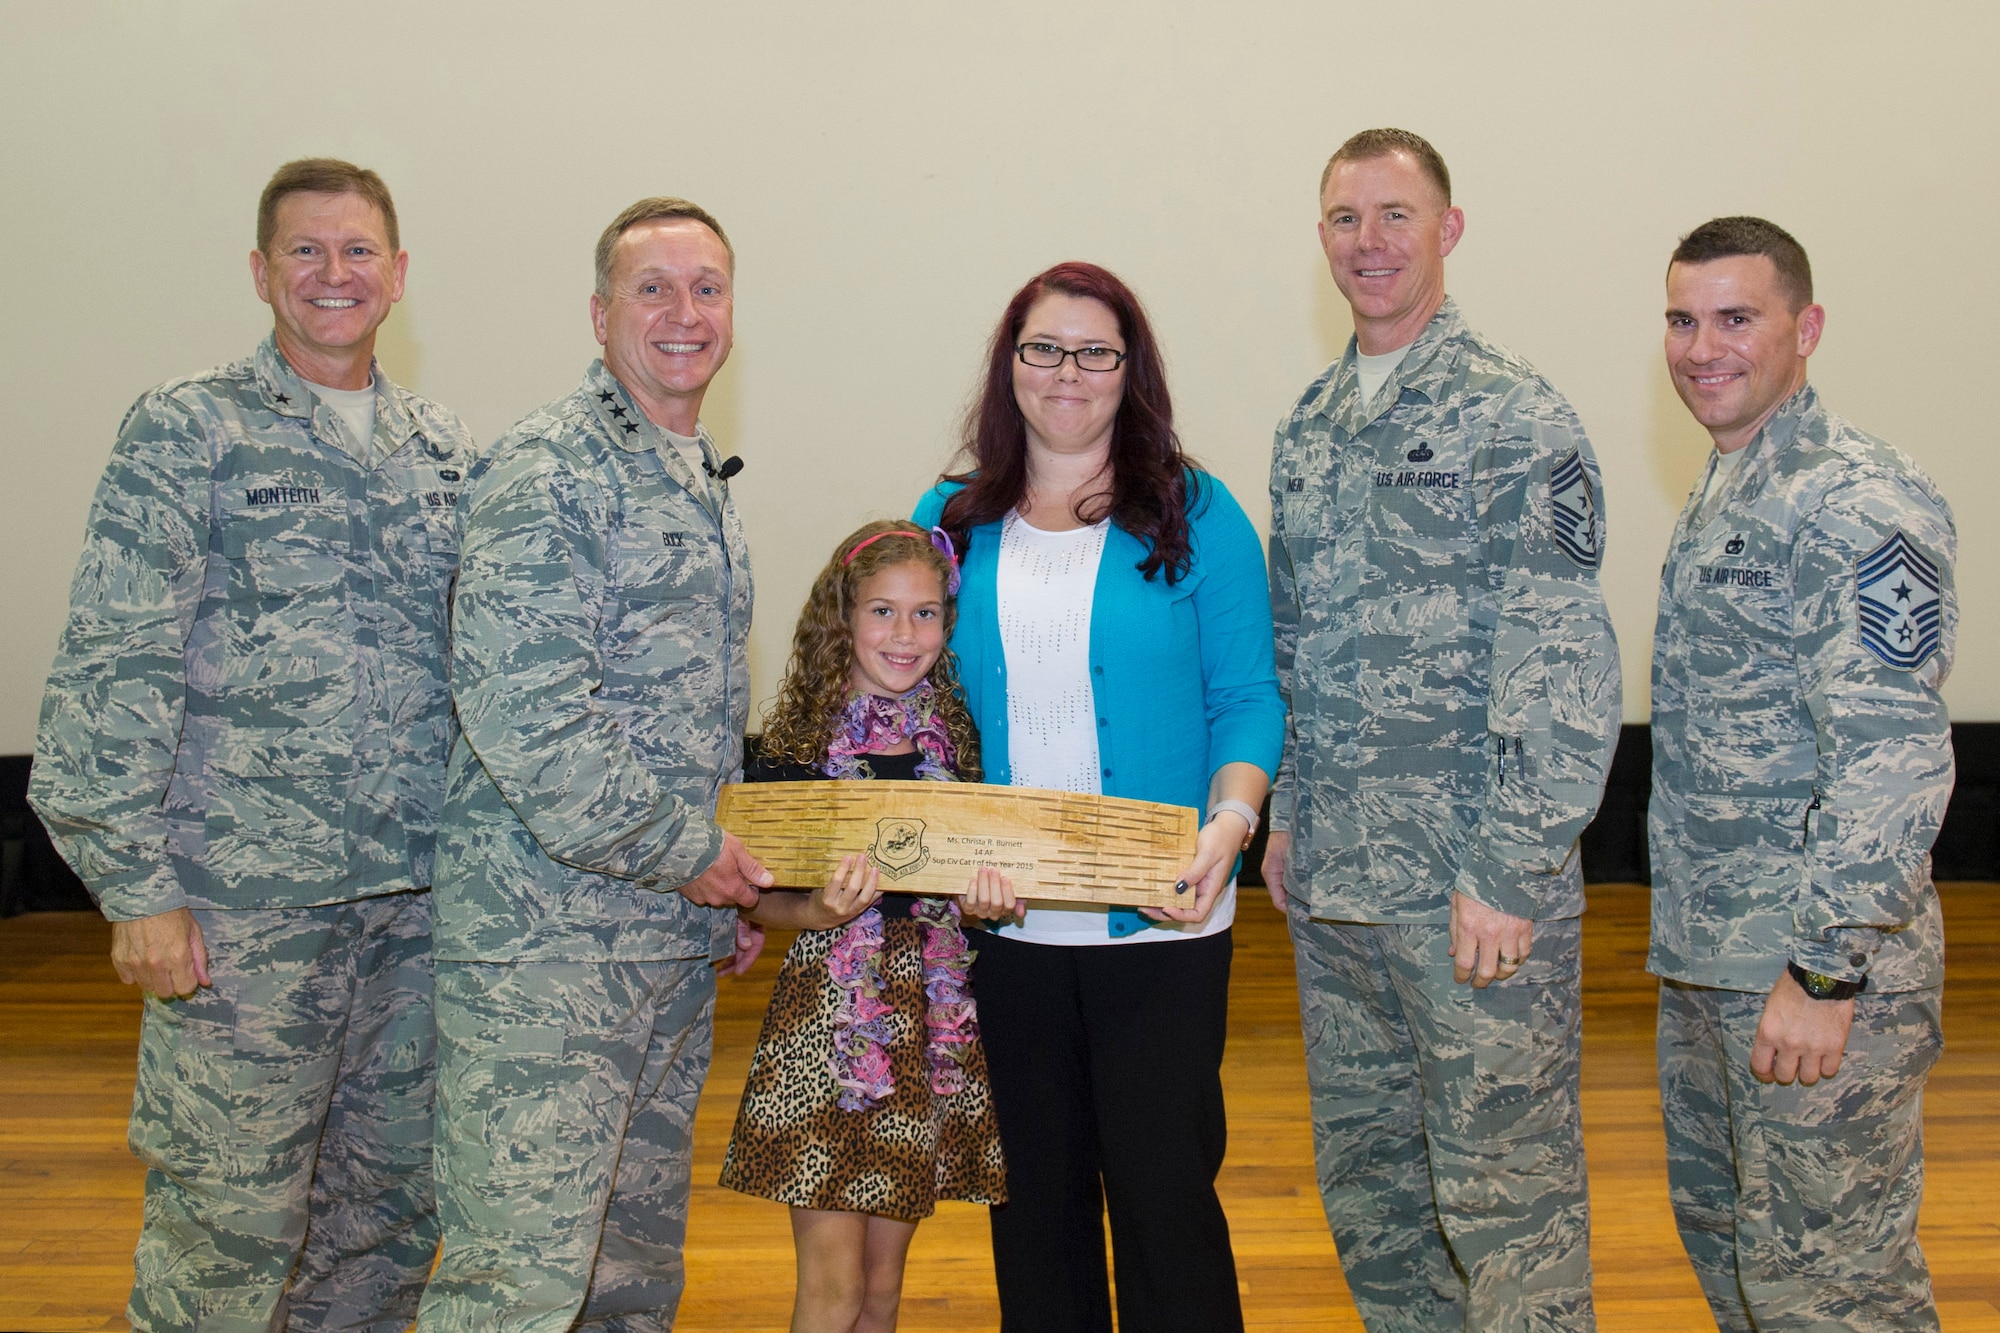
{"x":1150,"y":476}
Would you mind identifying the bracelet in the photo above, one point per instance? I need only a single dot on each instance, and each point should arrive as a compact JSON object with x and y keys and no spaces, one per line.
{"x":1243,"y":808}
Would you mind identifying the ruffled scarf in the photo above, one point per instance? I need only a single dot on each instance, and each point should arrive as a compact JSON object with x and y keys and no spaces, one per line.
{"x":871,"y":724}
{"x":860,"y":1062}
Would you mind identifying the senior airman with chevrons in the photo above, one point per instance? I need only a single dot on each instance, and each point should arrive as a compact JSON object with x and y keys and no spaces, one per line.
{"x":1801,"y":765}
{"x":602,"y":678}
{"x":242,"y":753}
{"x":1436,"y":529}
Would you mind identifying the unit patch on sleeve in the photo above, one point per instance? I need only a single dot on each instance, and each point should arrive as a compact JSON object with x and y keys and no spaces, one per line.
{"x":1900,"y":610}
{"x":1575,"y":510}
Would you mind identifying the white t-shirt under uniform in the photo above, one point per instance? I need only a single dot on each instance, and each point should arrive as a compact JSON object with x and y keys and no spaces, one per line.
{"x":1046,"y":584}
{"x":356,"y":410}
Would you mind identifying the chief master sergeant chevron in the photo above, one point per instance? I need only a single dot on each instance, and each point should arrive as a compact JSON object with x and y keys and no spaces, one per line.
{"x":242,"y":752}
{"x":1801,"y":765}
{"x":1436,"y":527}
{"x":602,"y":678}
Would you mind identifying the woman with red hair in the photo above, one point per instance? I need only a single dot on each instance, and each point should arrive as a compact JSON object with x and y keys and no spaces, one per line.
{"x":1114,"y":637}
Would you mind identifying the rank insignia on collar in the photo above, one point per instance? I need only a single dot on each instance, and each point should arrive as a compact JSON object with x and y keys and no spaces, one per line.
{"x":1575,"y":510}
{"x":1901,"y":611}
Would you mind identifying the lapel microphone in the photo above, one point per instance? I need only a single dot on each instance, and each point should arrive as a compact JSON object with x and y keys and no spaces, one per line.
{"x":730,"y":467}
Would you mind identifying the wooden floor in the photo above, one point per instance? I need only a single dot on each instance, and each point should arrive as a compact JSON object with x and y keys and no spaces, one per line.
{"x":69,"y":1193}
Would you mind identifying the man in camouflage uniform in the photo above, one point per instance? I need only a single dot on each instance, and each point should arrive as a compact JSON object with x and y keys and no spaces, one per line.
{"x":602,"y":678}
{"x":1453,"y":681}
{"x":242,"y":753}
{"x":1801,"y":765}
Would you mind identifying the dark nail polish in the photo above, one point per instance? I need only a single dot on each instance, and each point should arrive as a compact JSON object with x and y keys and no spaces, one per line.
{"x":1180,"y":886}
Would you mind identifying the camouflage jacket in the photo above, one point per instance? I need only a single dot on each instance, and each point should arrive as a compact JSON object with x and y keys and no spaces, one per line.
{"x":602,"y":677}
{"x":1442,"y":642}
{"x":1801,"y":752}
{"x":249,"y":707}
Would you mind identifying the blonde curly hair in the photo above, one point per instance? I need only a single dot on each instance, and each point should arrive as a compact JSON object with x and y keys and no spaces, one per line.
{"x":799,"y":725}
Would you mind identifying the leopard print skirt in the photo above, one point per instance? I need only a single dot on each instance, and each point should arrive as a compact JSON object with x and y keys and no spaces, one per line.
{"x":792,"y":1143}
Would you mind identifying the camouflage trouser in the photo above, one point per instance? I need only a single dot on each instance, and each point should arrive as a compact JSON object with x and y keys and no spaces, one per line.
{"x":1798,"y":1206}
{"x":566,"y":1097}
{"x":285,"y":1118}
{"x":1447,"y":1127}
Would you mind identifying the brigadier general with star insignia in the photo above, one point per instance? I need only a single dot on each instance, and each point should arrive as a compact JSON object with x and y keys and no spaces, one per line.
{"x":1436,"y":529}
{"x":242,"y":753}
{"x":602,"y":679}
{"x":1801,"y":764}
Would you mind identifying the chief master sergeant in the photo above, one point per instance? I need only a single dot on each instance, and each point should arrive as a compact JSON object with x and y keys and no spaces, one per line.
{"x":1436,"y":529}
{"x":1801,"y":765}
{"x":602,"y":678}
{"x":242,"y":753}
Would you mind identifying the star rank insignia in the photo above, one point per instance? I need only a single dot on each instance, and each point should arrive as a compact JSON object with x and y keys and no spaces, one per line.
{"x":631,"y":427}
{"x":605,"y":395}
{"x":1901,"y":611}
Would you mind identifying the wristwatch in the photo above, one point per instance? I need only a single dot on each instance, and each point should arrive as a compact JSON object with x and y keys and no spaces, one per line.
{"x":1822,"y":987}
{"x":1248,"y":811}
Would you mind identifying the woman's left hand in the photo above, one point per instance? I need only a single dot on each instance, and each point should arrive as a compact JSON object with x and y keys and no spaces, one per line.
{"x":1215,"y":852}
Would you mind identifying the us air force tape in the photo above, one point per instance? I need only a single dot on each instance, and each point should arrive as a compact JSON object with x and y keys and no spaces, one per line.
{"x":929,"y":837}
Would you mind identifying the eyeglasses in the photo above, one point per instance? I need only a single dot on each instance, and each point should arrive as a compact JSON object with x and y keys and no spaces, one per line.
{"x":1048,"y":356}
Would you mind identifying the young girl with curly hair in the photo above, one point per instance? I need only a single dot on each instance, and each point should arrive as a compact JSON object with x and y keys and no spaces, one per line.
{"x":867,"y":1098}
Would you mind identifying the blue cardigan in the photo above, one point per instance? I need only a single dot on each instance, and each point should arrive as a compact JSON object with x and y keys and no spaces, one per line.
{"x":1182,"y":673}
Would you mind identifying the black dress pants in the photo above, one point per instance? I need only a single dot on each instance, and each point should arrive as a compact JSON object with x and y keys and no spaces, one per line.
{"x":1106,"y":1064}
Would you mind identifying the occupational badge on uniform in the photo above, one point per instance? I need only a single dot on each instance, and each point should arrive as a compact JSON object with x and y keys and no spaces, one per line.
{"x":1575,"y":506}
{"x":1901,"y":609}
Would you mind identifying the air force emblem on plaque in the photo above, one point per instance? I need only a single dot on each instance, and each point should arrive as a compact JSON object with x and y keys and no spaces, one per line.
{"x":1575,"y":507}
{"x":899,"y":847}
{"x":1901,"y":612}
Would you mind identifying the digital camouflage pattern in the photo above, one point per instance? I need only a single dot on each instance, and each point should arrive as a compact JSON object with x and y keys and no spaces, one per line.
{"x":284,"y":1116}
{"x":1801,"y":765}
{"x":249,"y":705}
{"x":249,"y":711}
{"x":1455,"y":1187}
{"x":602,"y":678}
{"x":1454,"y":694}
{"x":1799,"y":775}
{"x":1798,"y":1206}
{"x":1441,"y":638}
{"x":567,"y":1096}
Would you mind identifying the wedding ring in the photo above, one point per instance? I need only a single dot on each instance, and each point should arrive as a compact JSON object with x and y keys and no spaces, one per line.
{"x":1512,"y":962}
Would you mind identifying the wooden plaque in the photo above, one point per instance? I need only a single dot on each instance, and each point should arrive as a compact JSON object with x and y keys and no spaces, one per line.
{"x":928,"y":837}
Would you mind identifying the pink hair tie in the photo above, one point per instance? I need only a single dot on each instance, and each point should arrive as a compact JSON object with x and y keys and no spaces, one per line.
{"x":939,"y":538}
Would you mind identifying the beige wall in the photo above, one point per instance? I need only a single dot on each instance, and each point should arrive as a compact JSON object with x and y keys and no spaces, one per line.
{"x":891,"y":172}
